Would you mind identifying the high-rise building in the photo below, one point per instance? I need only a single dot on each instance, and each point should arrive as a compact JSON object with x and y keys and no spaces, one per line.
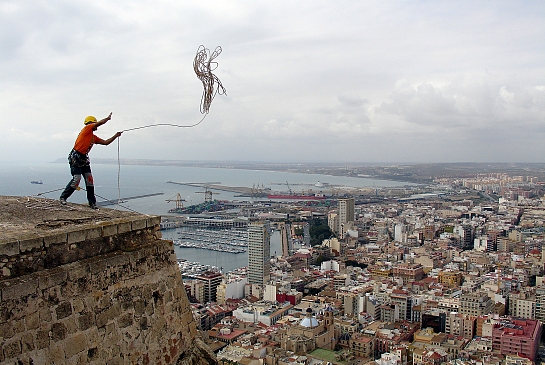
{"x":259,"y":252}
{"x":540,"y":303}
{"x":345,"y":215}
{"x":211,"y":280}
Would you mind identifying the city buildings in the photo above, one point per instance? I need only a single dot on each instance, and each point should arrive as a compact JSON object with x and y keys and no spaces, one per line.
{"x":440,"y":279}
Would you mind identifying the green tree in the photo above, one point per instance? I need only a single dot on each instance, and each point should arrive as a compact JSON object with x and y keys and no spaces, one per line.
{"x":319,"y":231}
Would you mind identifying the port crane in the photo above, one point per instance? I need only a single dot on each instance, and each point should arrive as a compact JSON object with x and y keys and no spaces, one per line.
{"x":258,"y":191}
{"x":178,"y":199}
{"x":289,"y":189}
{"x":207,"y":194}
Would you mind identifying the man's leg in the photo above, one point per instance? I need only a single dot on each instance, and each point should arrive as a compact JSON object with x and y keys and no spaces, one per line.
{"x":72,"y":185}
{"x":90,"y":186}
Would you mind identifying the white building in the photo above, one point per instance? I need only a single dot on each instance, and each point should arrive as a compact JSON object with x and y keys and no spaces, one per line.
{"x":346,"y":215}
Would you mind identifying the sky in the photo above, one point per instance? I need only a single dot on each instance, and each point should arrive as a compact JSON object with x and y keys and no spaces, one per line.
{"x":306,"y":81}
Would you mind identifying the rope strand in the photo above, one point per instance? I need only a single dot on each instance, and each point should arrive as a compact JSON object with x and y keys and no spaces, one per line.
{"x":166,"y":125}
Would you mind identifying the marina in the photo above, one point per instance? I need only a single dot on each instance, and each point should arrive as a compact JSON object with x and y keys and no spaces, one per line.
{"x":190,"y":269}
{"x":223,"y":236}
{"x":209,"y":246}
{"x":222,"y":240}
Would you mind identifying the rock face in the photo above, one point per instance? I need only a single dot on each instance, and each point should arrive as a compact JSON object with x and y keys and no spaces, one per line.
{"x":84,"y":287}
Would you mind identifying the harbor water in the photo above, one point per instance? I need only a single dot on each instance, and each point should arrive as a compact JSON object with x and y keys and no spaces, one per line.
{"x":113,"y":182}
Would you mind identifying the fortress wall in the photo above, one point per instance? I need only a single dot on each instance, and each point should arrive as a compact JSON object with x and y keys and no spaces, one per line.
{"x":96,"y":293}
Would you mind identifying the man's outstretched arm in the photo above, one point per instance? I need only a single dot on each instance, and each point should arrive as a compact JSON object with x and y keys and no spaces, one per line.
{"x":109,"y":140}
{"x":102,"y":121}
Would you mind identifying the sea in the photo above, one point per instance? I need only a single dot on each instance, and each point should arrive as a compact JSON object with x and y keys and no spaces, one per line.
{"x":114,"y":181}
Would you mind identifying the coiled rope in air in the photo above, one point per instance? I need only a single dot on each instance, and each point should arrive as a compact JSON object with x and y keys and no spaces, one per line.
{"x":203,"y":64}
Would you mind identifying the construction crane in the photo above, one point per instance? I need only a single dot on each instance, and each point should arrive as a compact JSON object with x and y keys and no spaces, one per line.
{"x":289,"y":189}
{"x":207,"y":194}
{"x":178,"y":199}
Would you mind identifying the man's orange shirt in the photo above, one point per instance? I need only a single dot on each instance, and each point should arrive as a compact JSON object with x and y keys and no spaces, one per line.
{"x":86,"y":139}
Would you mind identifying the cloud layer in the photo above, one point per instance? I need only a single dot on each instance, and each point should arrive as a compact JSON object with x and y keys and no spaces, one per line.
{"x":331,"y":81}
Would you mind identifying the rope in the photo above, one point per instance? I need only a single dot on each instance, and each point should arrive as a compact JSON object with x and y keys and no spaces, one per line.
{"x":203,"y":65}
{"x":203,"y":69}
{"x":166,"y":125}
{"x":50,"y":191}
{"x":118,"y":176}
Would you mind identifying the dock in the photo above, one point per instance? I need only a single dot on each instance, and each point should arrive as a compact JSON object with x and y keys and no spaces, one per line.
{"x":242,"y":191}
{"x":122,"y":200}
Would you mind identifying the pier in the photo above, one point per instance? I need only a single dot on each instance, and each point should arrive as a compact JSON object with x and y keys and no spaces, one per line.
{"x":214,"y":222}
{"x":122,"y":200}
{"x":243,"y":191}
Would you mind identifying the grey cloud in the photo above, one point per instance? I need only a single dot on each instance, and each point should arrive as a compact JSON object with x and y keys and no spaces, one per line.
{"x":300,"y":76}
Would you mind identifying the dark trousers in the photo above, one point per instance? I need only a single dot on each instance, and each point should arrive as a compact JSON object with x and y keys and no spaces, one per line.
{"x":77,"y":172}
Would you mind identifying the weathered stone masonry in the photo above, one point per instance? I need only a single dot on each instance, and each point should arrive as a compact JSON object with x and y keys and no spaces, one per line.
{"x":104,"y":290}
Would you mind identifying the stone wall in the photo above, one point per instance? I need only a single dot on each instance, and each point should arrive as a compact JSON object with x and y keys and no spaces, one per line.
{"x":102,"y":292}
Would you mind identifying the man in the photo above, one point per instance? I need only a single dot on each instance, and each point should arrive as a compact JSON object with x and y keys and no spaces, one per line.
{"x":79,"y":159}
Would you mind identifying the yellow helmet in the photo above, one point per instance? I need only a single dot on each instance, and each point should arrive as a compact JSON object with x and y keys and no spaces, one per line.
{"x":90,"y":119}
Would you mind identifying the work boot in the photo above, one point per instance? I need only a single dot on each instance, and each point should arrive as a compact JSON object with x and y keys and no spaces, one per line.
{"x":93,"y":206}
{"x":63,"y":201}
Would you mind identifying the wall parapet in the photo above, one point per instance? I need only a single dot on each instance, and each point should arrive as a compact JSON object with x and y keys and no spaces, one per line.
{"x":86,"y":287}
{"x":30,"y":241}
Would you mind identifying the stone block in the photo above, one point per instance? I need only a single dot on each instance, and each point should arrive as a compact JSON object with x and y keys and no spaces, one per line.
{"x":187,"y":318}
{"x":109,"y":230}
{"x":103,"y":302}
{"x":18,"y":325}
{"x":53,"y":277}
{"x":54,"y":239}
{"x":78,"y":270}
{"x":123,"y":227}
{"x":77,"y":305}
{"x":98,"y":267}
{"x":6,"y":330}
{"x":19,"y":288}
{"x":75,"y":344}
{"x":138,"y":224}
{"x":139,"y":307}
{"x":11,"y":349}
{"x":85,"y":321}
{"x":93,"y":233}
{"x":76,"y":236}
{"x":56,"y":354}
{"x":32,"y":321}
{"x":107,"y":315}
{"x":63,"y":310}
{"x":31,"y":243}
{"x":117,"y":259}
{"x":143,"y":323}
{"x":58,"y":331}
{"x":45,"y":315}
{"x":42,"y":339}
{"x":125,"y":320}
{"x":10,"y":248}
{"x":153,"y":221}
{"x":27,"y":342}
